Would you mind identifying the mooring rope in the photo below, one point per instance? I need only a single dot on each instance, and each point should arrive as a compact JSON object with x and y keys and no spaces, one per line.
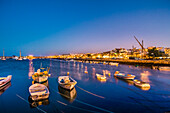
{"x":30,"y":103}
{"x":85,"y":103}
{"x":90,"y":92}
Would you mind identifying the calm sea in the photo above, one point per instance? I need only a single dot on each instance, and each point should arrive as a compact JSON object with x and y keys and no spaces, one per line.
{"x":90,"y":94}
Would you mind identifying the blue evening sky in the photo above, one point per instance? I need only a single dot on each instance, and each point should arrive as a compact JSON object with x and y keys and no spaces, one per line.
{"x":49,"y":27}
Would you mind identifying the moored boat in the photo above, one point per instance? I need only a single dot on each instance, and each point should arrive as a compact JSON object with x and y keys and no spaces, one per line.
{"x":66,"y":82}
{"x":3,"y":58}
{"x":101,"y":77}
{"x":141,"y":84}
{"x":4,"y":88}
{"x":41,"y":75}
{"x":38,"y":91}
{"x":5,"y":80}
{"x":124,"y":76}
{"x":164,"y":68}
{"x":113,"y":64}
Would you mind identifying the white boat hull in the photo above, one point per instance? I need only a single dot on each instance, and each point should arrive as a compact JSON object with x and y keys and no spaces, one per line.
{"x":113,"y":64}
{"x":5,"y":80}
{"x":38,"y":94}
{"x":69,"y":85}
{"x":164,"y":68}
{"x":101,"y":77}
{"x":124,"y":77}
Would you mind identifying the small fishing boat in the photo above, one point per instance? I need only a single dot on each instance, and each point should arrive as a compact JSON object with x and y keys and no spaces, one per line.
{"x":142,"y":85}
{"x":5,"y":80}
{"x":38,"y":91}
{"x":162,"y":68}
{"x":124,"y":76}
{"x":113,"y":64}
{"x":101,"y":77}
{"x":41,"y":75}
{"x":3,"y":58}
{"x":66,"y":82}
{"x":19,"y":58}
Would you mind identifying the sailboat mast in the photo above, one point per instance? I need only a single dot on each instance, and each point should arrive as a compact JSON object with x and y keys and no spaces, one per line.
{"x":3,"y":53}
{"x":20,"y":53}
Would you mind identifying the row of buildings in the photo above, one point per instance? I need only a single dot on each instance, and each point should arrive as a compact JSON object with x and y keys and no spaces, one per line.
{"x":122,"y":53}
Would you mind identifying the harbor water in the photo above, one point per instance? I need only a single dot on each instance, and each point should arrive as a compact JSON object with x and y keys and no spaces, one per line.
{"x":90,"y":94}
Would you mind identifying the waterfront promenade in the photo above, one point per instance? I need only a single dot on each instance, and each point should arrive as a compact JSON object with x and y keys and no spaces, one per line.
{"x":131,"y":62}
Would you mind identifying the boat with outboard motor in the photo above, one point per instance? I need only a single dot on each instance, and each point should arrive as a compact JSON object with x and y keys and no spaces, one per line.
{"x":66,"y":82}
{"x":41,"y":75}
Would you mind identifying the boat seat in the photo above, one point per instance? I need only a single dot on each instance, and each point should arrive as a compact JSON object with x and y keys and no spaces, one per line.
{"x":37,"y":90}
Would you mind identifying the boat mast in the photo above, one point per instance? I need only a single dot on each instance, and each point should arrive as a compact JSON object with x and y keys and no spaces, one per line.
{"x":3,"y":53}
{"x":20,"y":53}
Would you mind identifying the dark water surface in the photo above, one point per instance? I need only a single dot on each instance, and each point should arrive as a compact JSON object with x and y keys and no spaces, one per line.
{"x":90,"y":94}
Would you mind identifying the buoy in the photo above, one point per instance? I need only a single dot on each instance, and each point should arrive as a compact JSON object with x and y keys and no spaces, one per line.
{"x":109,"y":74}
{"x":68,"y":73}
{"x":85,"y":71}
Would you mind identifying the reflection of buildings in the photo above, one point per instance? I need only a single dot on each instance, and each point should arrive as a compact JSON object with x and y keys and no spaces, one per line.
{"x":93,"y":72}
{"x":31,"y":69}
{"x":68,"y":95}
{"x":144,"y":76}
{"x":4,"y":88}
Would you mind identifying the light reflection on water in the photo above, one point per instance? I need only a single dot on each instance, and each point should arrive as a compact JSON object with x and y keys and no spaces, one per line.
{"x":31,"y":69}
{"x":145,"y":76}
{"x":120,"y":95}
